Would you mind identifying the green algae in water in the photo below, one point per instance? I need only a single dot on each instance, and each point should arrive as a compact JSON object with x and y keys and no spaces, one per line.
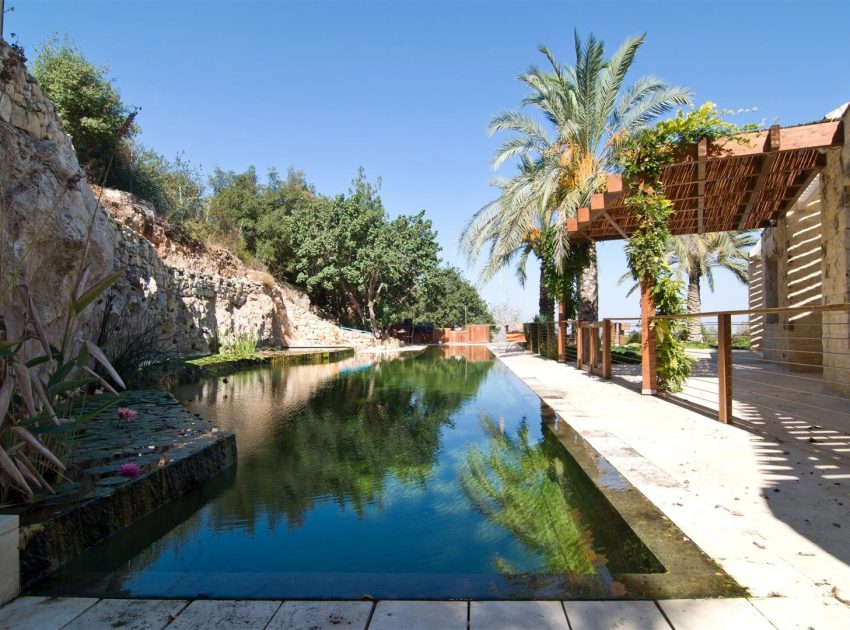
{"x":420,"y":476}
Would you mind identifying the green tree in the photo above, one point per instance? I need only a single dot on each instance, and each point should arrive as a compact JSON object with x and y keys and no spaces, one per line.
{"x":237,"y":203}
{"x":587,"y":110}
{"x":90,"y":105}
{"x":350,"y":257}
{"x":445,"y":298}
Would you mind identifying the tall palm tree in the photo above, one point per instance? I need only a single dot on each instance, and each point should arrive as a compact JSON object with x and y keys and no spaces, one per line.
{"x":587,"y":113}
{"x":696,"y":256}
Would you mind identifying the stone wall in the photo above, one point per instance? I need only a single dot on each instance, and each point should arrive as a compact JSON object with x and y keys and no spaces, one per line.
{"x":190,"y":297}
{"x":836,"y":267}
{"x":785,"y":271}
{"x":805,"y":260}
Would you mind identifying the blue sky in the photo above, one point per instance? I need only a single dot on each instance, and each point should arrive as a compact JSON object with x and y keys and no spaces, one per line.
{"x":406,"y":89}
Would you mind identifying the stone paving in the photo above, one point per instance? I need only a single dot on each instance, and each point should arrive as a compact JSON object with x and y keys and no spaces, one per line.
{"x":752,"y":614}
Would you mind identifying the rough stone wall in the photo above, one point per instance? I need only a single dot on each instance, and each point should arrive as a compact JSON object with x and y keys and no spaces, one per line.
{"x":805,"y":260}
{"x":836,"y":266}
{"x":785,"y":270}
{"x":192,"y":298}
{"x":46,"y":211}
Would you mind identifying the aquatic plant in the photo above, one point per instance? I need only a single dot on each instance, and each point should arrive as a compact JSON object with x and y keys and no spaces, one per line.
{"x":39,"y":385}
{"x":244,"y":342}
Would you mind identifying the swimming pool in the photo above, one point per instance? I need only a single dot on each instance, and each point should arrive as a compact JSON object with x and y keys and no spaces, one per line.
{"x":433,"y":474}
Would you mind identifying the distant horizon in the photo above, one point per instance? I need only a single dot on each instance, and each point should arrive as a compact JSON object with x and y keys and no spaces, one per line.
{"x":406,"y":90}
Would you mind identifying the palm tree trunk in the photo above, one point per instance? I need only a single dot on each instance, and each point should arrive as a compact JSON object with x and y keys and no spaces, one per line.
{"x":588,"y":288}
{"x":546,"y":303}
{"x":694,"y":306}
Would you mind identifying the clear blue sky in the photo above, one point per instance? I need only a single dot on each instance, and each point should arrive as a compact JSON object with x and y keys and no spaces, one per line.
{"x":406,"y":89}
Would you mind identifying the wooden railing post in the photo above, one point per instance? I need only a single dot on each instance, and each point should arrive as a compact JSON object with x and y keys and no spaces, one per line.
{"x":593,"y":335}
{"x":606,"y":348}
{"x":539,"y":336}
{"x":579,"y":344}
{"x":724,"y":366}
{"x":647,"y":345}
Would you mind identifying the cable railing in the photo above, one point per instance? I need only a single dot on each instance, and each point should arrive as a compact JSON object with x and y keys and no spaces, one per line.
{"x":779,"y":371}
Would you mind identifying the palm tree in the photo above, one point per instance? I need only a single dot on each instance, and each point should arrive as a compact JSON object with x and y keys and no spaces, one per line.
{"x":696,"y":256}
{"x":589,"y":113}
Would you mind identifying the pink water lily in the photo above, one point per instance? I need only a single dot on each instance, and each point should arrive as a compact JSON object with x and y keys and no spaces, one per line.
{"x":125,"y":413}
{"x":129,"y":470}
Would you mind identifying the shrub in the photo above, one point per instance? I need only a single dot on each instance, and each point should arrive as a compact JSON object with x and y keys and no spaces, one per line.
{"x":241,"y":343}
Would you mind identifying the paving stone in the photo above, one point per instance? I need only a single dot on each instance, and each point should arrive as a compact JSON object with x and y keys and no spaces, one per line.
{"x":515,"y":615}
{"x":408,"y":615}
{"x":209,"y":613}
{"x":129,"y":614}
{"x":772,"y":578}
{"x":321,"y":616}
{"x":711,"y":614}
{"x":613,"y":614}
{"x":815,"y":613}
{"x":42,"y":613}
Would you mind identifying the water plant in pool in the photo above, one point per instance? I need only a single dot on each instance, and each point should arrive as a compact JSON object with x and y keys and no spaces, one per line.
{"x":420,"y":476}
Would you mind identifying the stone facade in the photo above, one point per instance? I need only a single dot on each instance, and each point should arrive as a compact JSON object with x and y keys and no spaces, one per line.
{"x":805,"y":260}
{"x":51,"y":217}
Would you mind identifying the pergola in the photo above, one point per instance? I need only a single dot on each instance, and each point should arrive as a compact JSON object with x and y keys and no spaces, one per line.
{"x":742,"y":183}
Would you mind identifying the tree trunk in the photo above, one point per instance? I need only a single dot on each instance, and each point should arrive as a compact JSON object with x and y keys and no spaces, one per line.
{"x":546,"y":303}
{"x":588,"y":288}
{"x":694,"y":306}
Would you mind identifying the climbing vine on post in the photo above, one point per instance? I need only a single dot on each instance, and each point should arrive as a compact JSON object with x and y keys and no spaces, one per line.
{"x":643,"y":158}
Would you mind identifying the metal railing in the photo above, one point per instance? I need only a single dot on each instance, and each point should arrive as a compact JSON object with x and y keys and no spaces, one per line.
{"x":780,"y":371}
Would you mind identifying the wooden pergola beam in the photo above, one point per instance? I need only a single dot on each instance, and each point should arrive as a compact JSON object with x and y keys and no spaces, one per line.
{"x":603,"y":220}
{"x":772,"y":150}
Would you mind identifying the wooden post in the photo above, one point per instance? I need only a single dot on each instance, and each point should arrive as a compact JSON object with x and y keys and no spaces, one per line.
{"x":724,"y":366}
{"x":621,"y":334}
{"x":593,"y":335}
{"x":579,"y":344}
{"x":647,"y":344}
{"x":562,"y":332}
{"x":606,"y":348}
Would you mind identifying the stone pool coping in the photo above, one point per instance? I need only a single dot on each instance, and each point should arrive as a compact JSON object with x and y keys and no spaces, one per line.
{"x":39,"y":613}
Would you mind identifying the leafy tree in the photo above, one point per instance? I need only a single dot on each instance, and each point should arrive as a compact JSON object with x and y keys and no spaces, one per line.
{"x":350,"y":257}
{"x":90,"y":105}
{"x":564,"y":162}
{"x":237,"y":203}
{"x":445,"y":298}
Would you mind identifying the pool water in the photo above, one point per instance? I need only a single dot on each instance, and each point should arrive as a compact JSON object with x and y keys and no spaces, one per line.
{"x":430,"y":474}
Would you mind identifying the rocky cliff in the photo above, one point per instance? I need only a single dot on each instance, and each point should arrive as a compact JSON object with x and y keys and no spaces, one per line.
{"x":49,"y":212}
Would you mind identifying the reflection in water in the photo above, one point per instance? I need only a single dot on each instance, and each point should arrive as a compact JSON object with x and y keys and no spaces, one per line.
{"x":375,"y":477}
{"x":526,"y":490}
{"x":342,"y":443}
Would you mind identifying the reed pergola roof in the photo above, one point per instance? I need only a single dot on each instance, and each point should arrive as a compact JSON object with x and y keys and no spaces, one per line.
{"x":742,"y":183}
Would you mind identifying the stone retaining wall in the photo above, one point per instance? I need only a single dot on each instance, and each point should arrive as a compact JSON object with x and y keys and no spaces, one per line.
{"x":50,"y":212}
